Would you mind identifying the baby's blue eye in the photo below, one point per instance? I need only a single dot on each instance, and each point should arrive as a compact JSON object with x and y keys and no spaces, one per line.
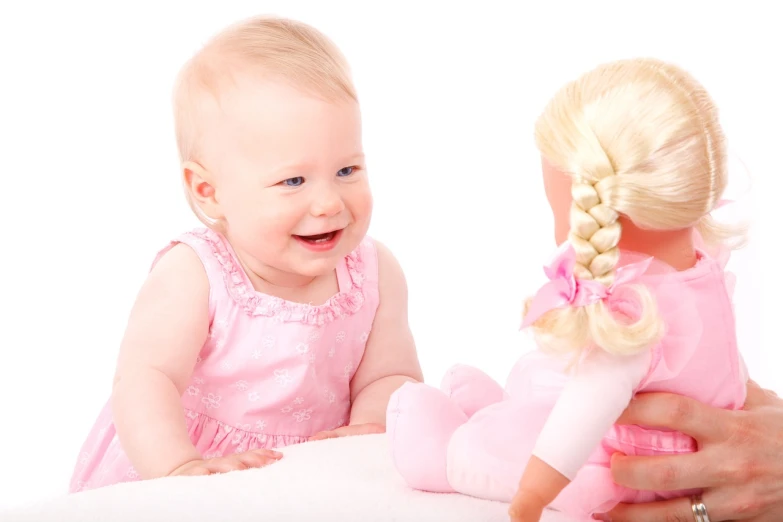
{"x":345,"y":171}
{"x":294,"y":182}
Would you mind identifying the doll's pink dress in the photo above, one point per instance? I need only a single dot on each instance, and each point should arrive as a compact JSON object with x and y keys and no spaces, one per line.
{"x":474,"y":437}
{"x":272,"y":372}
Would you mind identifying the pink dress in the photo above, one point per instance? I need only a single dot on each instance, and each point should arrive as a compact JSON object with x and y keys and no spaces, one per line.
{"x":473,"y":436}
{"x":272,"y":372}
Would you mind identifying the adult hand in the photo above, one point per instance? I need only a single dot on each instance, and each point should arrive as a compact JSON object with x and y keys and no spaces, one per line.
{"x":351,"y":429}
{"x":739,"y":464}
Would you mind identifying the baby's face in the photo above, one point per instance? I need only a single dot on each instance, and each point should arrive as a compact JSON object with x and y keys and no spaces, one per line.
{"x":290,"y":176}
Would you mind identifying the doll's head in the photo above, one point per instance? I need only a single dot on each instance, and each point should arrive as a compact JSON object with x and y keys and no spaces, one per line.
{"x":641,"y":144}
{"x":268,"y":130}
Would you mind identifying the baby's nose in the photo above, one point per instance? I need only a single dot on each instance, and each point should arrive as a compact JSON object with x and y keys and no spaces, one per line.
{"x":328,"y":204}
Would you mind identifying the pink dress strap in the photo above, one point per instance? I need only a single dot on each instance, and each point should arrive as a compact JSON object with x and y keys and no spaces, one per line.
{"x":201,"y":242}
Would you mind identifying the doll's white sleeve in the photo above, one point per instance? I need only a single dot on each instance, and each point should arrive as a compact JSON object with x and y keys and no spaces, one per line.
{"x":591,"y":402}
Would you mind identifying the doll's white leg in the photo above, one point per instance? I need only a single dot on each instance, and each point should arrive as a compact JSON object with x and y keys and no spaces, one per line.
{"x":470,"y":388}
{"x":420,"y":421}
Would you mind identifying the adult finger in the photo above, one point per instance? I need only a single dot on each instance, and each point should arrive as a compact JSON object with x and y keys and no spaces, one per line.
{"x":674,"y":510}
{"x":679,"y":413}
{"x":667,"y":472}
{"x":758,"y":396}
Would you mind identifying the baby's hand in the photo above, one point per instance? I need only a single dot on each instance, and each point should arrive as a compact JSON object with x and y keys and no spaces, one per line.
{"x":347,"y":431}
{"x":526,"y":507}
{"x":249,"y":459}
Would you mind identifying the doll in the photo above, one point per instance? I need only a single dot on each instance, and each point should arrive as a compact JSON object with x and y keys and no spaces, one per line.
{"x":634,"y":161}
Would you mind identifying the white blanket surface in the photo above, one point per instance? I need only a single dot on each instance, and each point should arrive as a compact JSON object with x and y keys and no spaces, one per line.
{"x":349,"y":479}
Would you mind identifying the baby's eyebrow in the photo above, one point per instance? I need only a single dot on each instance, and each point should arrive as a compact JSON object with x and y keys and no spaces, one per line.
{"x":357,"y":157}
{"x":294,"y":168}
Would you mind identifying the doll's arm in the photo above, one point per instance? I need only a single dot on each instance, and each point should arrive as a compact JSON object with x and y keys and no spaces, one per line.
{"x":591,"y":402}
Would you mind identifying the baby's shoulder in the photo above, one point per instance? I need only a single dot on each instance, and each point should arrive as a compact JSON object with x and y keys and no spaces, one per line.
{"x":196,"y":252}
{"x":388,"y":270}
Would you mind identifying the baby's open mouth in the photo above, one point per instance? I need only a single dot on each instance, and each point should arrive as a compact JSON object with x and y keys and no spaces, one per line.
{"x":319,"y":238}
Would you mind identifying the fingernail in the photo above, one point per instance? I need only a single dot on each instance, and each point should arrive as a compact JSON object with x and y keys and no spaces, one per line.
{"x":602,"y":516}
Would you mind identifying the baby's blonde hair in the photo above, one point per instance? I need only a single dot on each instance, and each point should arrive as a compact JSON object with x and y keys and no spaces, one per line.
{"x":639,"y":138}
{"x":276,"y":48}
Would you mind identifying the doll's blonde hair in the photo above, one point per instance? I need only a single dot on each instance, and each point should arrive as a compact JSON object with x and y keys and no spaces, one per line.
{"x":639,"y":138}
{"x":267,"y":46}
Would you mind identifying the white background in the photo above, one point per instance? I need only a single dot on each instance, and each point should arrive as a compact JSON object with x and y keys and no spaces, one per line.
{"x":91,"y":188}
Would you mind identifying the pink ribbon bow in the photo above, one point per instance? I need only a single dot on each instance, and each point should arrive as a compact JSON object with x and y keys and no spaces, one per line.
{"x":563,"y":289}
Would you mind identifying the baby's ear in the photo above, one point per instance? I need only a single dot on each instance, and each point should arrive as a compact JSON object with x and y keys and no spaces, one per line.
{"x":200,"y":189}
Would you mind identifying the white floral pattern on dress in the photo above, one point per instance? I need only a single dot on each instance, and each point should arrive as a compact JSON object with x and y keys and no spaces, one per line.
{"x":282,"y":378}
{"x":264,"y":369}
{"x":302,"y":415}
{"x":211,"y":401}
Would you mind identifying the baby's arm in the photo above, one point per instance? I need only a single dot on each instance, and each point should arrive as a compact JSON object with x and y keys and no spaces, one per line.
{"x":390,"y":357}
{"x":590,"y":403}
{"x":167,"y":328}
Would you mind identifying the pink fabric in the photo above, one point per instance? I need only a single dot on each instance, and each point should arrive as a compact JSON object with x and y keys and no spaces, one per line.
{"x":475,"y":437}
{"x":272,"y":372}
{"x":564,"y":289}
{"x":607,"y":383}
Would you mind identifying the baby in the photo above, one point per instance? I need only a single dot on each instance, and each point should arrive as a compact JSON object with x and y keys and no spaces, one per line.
{"x":280,"y":321}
